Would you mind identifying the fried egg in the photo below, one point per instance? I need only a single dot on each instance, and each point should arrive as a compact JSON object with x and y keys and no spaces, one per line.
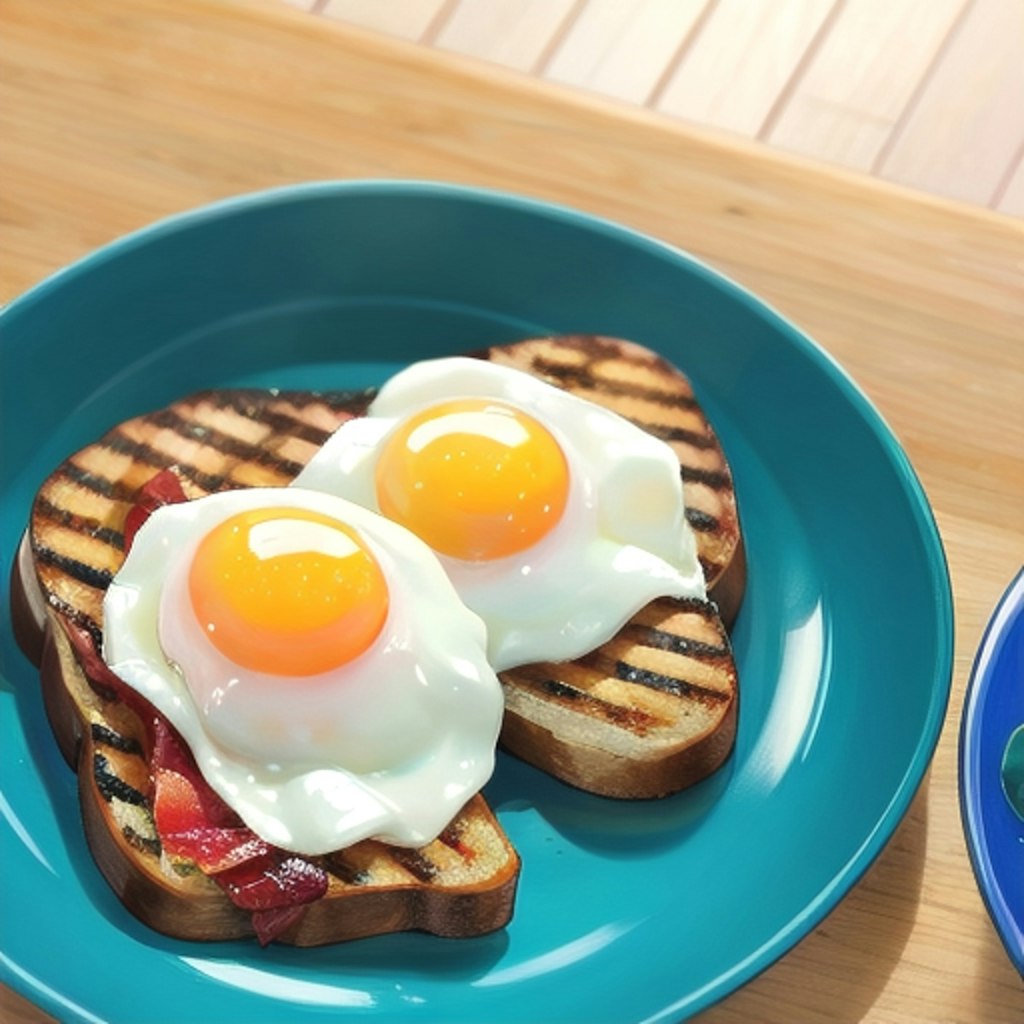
{"x":555,"y":519}
{"x":316,"y":659}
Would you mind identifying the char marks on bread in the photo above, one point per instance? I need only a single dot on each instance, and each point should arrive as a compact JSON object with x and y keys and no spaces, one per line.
{"x":648,"y":713}
{"x":461,"y":884}
{"x":653,"y":710}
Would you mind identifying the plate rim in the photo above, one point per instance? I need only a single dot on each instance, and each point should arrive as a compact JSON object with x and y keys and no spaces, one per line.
{"x":1008,"y":608}
{"x":846,"y":875}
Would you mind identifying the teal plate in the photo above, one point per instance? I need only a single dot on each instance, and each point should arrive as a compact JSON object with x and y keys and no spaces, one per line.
{"x":626,"y":912}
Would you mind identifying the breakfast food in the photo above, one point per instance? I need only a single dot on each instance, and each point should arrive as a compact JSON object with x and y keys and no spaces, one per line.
{"x":316,"y":661}
{"x":214,"y":817}
{"x":563,"y":525}
{"x":527,"y":494}
{"x":649,"y":710}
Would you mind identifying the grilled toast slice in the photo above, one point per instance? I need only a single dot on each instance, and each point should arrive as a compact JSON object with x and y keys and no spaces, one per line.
{"x":461,"y":884}
{"x":654,"y":710}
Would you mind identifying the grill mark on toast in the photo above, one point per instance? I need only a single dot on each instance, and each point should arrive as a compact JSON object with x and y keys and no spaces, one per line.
{"x":256,"y":453}
{"x":649,"y":636}
{"x":544,"y":685}
{"x":144,"y":843}
{"x":106,"y":736}
{"x":83,"y":572}
{"x":336,"y":863}
{"x":693,"y":639}
{"x":571,"y":377}
{"x":668,"y":684}
{"x":415,"y":862}
{"x":696,"y":656}
{"x":702,"y":522}
{"x":284,"y":423}
{"x":675,"y":681}
{"x":171,"y":419}
{"x":591,"y":370}
{"x":149,"y":456}
{"x":716,"y":479}
{"x":112,"y":786}
{"x":667,"y":432}
{"x":46,"y":509}
{"x":563,"y":690}
{"x":113,"y":489}
{"x":451,"y":837}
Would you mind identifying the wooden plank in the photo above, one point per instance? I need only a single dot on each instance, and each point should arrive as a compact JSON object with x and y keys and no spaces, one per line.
{"x":861,"y":79}
{"x":739,"y":64}
{"x":16,"y":1010}
{"x":514,"y":33}
{"x":623,"y":49}
{"x":1011,"y":197}
{"x":968,"y":122}
{"x":408,"y":19}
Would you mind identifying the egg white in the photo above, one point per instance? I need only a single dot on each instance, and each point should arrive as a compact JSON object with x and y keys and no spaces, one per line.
{"x":389,"y":746}
{"x":622,"y":541}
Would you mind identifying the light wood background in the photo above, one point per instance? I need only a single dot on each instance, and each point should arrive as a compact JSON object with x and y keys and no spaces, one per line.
{"x":924,"y":93}
{"x":114,"y":113}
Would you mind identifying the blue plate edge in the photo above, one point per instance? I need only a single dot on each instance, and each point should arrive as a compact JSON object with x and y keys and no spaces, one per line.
{"x":978,"y":685}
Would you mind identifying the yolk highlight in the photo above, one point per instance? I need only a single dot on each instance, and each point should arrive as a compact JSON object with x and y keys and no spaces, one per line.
{"x":287,"y":591}
{"x":474,"y":478}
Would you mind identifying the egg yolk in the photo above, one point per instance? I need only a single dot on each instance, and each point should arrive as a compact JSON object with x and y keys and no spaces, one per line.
{"x":287,"y":591}
{"x":475,"y":478}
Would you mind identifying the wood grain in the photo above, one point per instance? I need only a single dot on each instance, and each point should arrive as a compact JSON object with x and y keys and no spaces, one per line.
{"x":623,"y":50}
{"x":112,"y":115}
{"x":747,"y":54}
{"x":513,"y":33}
{"x":845,"y":81}
{"x":861,"y":79}
{"x":15,"y":1009}
{"x":968,"y":122}
{"x":1010,"y":196}
{"x":409,"y":19}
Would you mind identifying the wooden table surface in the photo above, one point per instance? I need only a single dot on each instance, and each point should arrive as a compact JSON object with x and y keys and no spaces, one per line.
{"x":113,"y":114}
